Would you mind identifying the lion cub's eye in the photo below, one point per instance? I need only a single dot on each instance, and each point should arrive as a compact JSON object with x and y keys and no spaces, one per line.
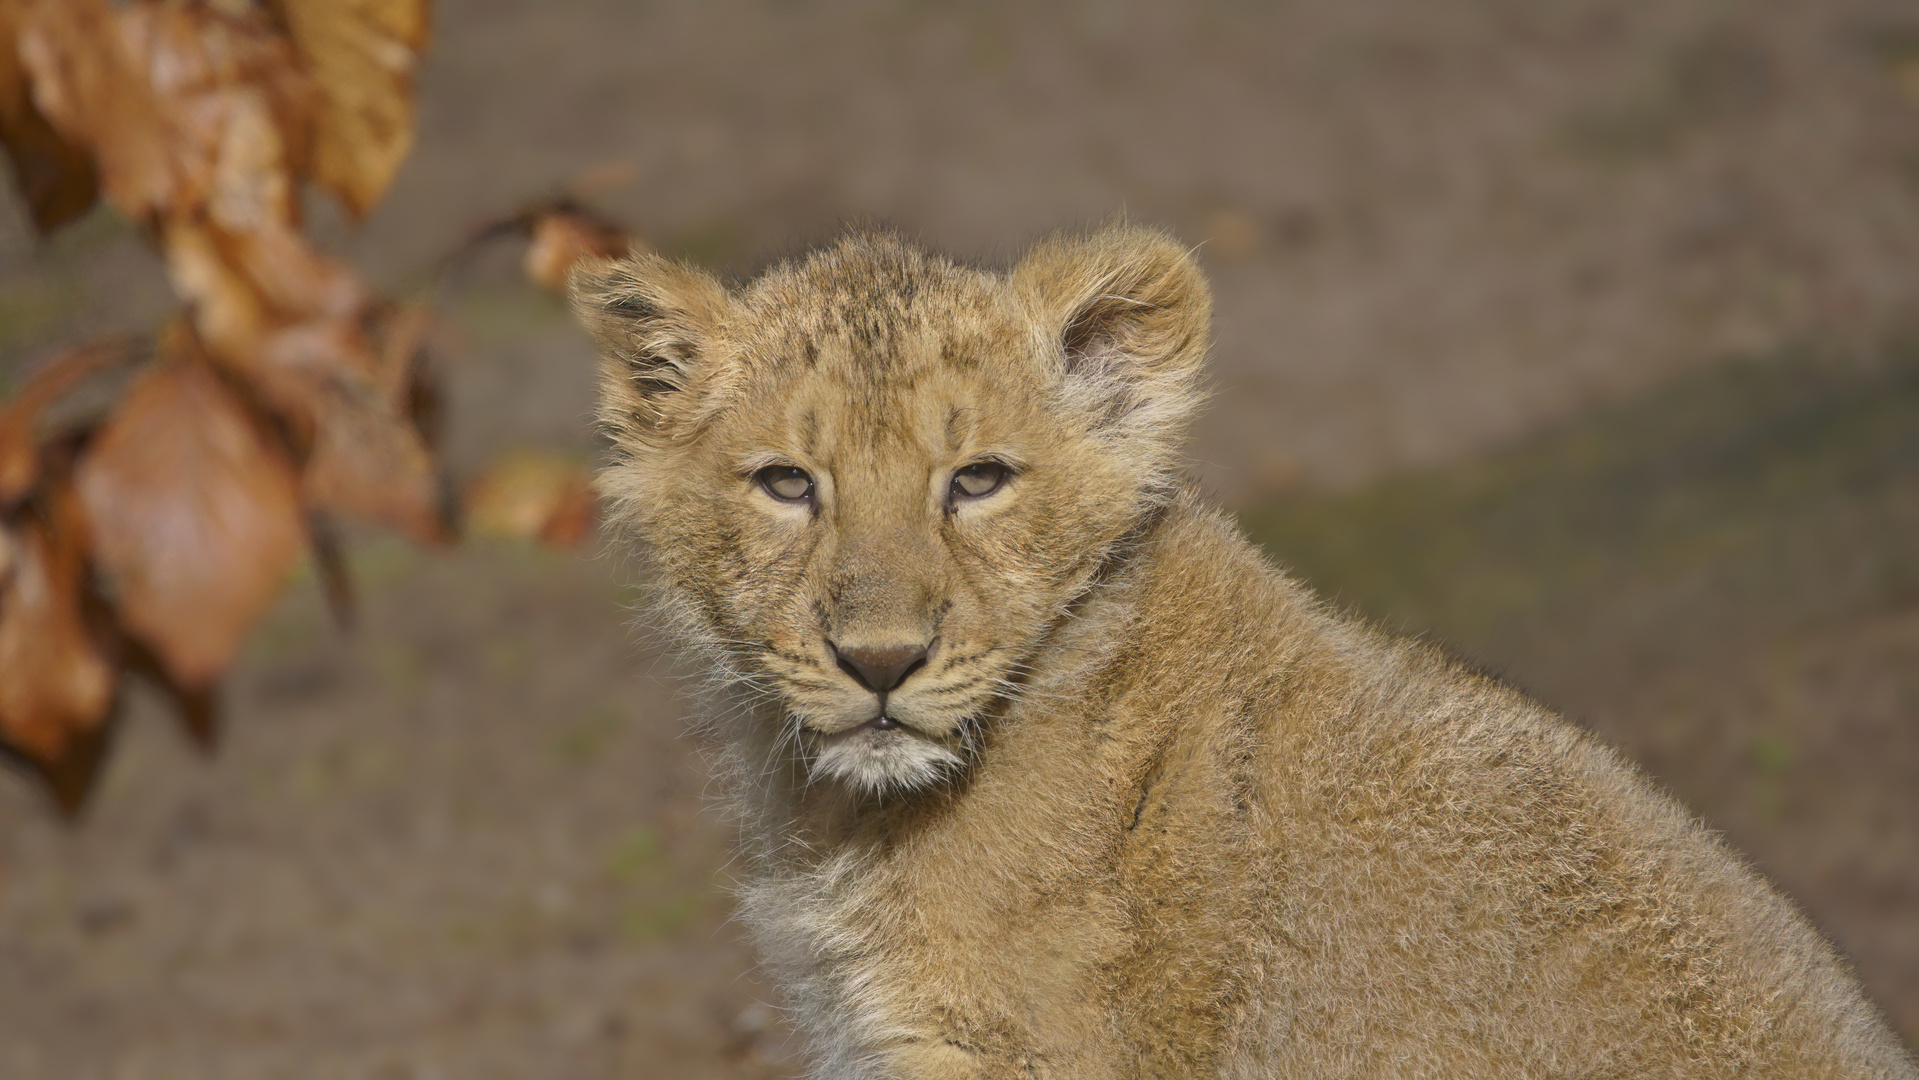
{"x":786,"y":483}
{"x":980,"y":479}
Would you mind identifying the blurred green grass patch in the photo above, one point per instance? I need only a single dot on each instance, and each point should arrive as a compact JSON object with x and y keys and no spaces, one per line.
{"x":1758,"y":496}
{"x":582,"y":741}
{"x":652,"y":921}
{"x":639,"y":853}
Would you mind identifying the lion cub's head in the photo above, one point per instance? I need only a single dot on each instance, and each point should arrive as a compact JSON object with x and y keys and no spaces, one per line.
{"x":872,"y":482}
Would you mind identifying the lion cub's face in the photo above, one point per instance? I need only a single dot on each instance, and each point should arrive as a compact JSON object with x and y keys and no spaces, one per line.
{"x":873,"y":482}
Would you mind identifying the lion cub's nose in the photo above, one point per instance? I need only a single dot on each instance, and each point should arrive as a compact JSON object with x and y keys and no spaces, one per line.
{"x":879,"y":669}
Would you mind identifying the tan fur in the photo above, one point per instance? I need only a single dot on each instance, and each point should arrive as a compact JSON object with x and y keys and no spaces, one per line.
{"x":1148,"y":808}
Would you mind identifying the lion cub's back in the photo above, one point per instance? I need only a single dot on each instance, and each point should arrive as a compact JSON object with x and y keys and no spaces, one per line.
{"x":1472,"y":886}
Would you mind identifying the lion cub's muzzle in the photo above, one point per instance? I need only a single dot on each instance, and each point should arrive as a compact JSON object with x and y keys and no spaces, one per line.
{"x":887,"y":751}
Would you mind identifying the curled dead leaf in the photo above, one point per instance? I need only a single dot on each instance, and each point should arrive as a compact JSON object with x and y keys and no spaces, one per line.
{"x":531,"y":495}
{"x":560,"y":230}
{"x":296,"y":282}
{"x":55,"y":177}
{"x":563,"y":237}
{"x":59,"y":684}
{"x":245,"y":287}
{"x":183,"y":108}
{"x":88,"y":85}
{"x":228,"y":312}
{"x":235,"y":107}
{"x":19,"y":437}
{"x":194,"y":509}
{"x":368,"y":462}
{"x":364,"y":458}
{"x":361,"y":55}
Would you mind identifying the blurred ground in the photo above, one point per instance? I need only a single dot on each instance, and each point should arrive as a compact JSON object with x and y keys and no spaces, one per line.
{"x":1568,"y":332}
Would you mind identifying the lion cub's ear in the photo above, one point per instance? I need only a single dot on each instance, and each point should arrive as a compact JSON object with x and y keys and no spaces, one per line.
{"x":654,"y":320}
{"x":1128,"y":312}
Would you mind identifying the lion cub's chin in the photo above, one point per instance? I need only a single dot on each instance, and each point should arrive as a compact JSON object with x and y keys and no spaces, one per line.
{"x":882,"y":759}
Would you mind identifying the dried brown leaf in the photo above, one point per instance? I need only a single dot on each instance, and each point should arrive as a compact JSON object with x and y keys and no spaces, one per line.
{"x":247,"y":288}
{"x":364,"y":458}
{"x":19,"y":439}
{"x":368,"y":462}
{"x":297,"y":282}
{"x":361,"y":54}
{"x":54,"y":176}
{"x":292,"y":366}
{"x":186,"y":110}
{"x":238,"y":117}
{"x":87,"y":83}
{"x":228,"y":312}
{"x":195,"y":515}
{"x":531,"y":495}
{"x":59,"y":685}
{"x":562,"y":238}
{"x":236,"y":109}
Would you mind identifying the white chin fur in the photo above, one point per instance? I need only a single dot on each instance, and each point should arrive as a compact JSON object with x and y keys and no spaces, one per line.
{"x":884,"y":761}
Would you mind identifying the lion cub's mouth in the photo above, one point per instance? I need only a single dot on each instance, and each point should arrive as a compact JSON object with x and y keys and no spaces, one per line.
{"x":873,"y":730}
{"x":882,"y":722}
{"x":883,"y":755}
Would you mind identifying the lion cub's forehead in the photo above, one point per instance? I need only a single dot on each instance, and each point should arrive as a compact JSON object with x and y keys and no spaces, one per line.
{"x":873,"y":343}
{"x":872,"y":312}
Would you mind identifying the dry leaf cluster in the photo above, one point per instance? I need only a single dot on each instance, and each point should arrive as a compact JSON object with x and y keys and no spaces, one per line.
{"x":149,"y":533}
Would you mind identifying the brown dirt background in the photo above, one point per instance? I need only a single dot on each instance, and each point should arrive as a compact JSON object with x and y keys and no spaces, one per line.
{"x":466,"y":841}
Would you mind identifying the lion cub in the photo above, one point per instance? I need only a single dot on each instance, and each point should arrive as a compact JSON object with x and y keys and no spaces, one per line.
{"x":1045,"y":771}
